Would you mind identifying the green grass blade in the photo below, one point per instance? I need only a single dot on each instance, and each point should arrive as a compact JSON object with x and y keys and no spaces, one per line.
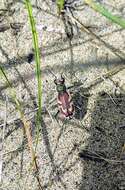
{"x":37,"y":60}
{"x":60,"y":5}
{"x":103,"y":11}
{"x":13,"y":92}
{"x":26,"y":123}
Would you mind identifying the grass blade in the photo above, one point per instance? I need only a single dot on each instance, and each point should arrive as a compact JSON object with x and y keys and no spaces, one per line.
{"x":19,"y":108}
{"x":37,"y":60}
{"x":60,"y":5}
{"x":26,"y":124}
{"x":103,"y":11}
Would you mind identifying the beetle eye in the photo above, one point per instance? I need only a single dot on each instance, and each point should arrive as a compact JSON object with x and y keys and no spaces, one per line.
{"x":55,"y":81}
{"x":62,"y":79}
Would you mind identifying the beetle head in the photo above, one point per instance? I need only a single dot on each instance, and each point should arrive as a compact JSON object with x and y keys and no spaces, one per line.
{"x":60,"y":84}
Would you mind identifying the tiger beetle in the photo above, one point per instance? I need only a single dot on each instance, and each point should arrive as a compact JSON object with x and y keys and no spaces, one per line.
{"x":65,"y":104}
{"x":69,"y":106}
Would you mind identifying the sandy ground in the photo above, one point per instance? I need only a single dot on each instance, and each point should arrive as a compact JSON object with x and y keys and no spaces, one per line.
{"x":99,"y":122}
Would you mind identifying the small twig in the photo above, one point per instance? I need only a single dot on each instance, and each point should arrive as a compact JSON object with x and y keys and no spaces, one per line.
{"x":69,"y":34}
{"x":108,"y":93}
{"x":106,"y":75}
{"x":19,"y":119}
{"x":4,"y":10}
{"x":51,"y":117}
{"x":50,"y":71}
{"x":2,"y":144}
{"x":86,"y":154}
{"x":4,"y":27}
{"x":43,"y":10}
{"x":94,"y":36}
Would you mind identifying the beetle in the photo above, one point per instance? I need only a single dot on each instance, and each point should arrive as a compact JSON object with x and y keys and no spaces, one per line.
{"x":65,"y":104}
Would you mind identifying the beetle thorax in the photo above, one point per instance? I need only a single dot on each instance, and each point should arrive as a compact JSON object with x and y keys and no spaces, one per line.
{"x":61,"y":88}
{"x":60,"y":84}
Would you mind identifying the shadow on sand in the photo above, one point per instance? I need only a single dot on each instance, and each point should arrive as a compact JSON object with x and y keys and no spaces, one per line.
{"x":107,"y":138}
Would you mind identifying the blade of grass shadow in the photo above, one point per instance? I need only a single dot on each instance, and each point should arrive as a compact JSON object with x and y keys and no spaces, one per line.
{"x":37,"y":60}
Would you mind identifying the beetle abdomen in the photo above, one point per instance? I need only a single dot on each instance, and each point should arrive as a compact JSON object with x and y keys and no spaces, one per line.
{"x":65,"y":104}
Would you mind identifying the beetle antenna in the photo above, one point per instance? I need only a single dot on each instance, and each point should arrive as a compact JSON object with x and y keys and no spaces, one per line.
{"x":62,"y":76}
{"x":52,"y":73}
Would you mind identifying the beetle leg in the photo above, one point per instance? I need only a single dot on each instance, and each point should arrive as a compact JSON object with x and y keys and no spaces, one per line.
{"x":71,"y":107}
{"x":70,"y":98}
{"x":59,"y":102}
{"x":56,"y":114}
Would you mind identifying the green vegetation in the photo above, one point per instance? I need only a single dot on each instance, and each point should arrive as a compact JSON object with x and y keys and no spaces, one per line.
{"x":103,"y":11}
{"x":37,"y":61}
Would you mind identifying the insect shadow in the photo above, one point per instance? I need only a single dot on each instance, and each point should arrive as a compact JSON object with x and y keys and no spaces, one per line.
{"x":80,"y":102}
